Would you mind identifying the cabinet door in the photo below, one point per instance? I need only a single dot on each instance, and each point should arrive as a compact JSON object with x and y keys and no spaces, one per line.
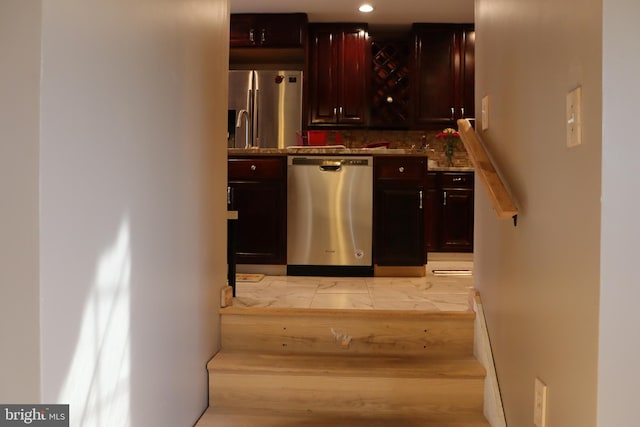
{"x":352,"y":93}
{"x":242,"y":30}
{"x":323,"y":75}
{"x":260,"y":229}
{"x":337,"y":78}
{"x":399,"y":230}
{"x":457,"y":220}
{"x":468,"y":64}
{"x":432,"y":212}
{"x":282,"y":30}
{"x":285,"y":30}
{"x":435,"y":75}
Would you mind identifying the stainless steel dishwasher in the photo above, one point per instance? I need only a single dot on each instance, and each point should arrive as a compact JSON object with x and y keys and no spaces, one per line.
{"x":330,"y":215}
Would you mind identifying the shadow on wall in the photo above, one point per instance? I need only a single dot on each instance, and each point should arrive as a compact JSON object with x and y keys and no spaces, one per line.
{"x":97,"y":386}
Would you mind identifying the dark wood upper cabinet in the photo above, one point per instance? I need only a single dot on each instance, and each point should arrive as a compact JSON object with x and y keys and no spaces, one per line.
{"x":337,"y":90}
{"x":443,"y":74}
{"x":268,"y":30}
{"x":468,"y":35}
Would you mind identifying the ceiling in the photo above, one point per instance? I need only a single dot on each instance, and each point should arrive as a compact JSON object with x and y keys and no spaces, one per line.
{"x":387,"y":13}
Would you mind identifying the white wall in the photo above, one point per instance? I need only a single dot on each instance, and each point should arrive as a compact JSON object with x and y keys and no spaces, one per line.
{"x":132,"y":206}
{"x":19,"y":117}
{"x":540,"y":281}
{"x":619,"y":291}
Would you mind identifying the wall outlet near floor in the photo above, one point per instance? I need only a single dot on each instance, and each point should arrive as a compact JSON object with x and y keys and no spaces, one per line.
{"x":540,"y":404}
{"x":574,"y":117}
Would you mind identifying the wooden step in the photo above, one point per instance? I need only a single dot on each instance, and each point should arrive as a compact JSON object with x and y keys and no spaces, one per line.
{"x":221,"y":418}
{"x":319,"y":331}
{"x":346,"y":384}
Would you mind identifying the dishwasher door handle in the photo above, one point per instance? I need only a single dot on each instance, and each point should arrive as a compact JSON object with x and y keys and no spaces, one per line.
{"x":331,"y":168}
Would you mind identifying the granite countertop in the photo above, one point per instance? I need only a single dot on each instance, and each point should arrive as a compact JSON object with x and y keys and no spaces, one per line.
{"x":339,"y":150}
{"x":326,"y":150}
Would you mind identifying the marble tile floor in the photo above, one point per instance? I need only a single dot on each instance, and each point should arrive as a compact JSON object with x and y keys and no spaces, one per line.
{"x":429,"y":293}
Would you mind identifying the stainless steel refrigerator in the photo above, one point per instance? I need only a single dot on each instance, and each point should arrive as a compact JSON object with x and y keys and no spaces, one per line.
{"x":265,"y":108}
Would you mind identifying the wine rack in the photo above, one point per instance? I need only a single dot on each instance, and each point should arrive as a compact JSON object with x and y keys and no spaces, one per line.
{"x":390,"y":85}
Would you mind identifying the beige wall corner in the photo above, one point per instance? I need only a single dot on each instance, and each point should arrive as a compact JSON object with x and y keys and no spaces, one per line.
{"x":19,"y":246}
{"x":540,"y":280}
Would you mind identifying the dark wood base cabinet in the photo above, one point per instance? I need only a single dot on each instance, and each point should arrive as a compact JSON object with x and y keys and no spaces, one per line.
{"x":257,"y":190}
{"x":449,"y":212}
{"x":399,"y":211}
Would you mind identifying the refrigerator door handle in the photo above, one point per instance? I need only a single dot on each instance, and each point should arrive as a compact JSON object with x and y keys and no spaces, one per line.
{"x":248,"y":103}
{"x":256,"y":125}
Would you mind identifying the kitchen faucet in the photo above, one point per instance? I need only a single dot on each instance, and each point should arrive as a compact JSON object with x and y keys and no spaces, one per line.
{"x":244,"y":113}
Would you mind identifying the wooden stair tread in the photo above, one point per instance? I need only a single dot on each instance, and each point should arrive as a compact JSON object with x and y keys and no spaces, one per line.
{"x":322,"y":367}
{"x":341,"y":313}
{"x":219,"y":417}
{"x":347,"y":365}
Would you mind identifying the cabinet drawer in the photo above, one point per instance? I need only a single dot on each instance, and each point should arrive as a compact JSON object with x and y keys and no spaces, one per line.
{"x":256,"y":169}
{"x":400,"y":168}
{"x":457,"y":179}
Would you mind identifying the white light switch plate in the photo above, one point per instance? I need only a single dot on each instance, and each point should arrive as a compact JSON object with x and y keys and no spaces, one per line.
{"x":485,"y":113}
{"x":540,"y":404}
{"x":574,"y":117}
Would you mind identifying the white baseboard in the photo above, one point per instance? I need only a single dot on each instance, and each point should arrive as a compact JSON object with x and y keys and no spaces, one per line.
{"x":493,"y":409}
{"x":268,"y":269}
{"x":449,"y":256}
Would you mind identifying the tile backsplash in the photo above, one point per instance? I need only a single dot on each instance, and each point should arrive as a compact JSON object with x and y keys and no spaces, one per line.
{"x":358,"y":138}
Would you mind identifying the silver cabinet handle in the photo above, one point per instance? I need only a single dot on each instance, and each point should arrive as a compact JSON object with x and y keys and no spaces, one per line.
{"x":453,"y":113}
{"x":420,"y":199}
{"x":335,"y":111}
{"x":444,"y":200}
{"x":263,"y":36}
{"x":228,"y":195}
{"x":253,"y":167}
{"x":252,"y":35}
{"x":462,"y":112}
{"x":458,"y":179}
{"x":401,"y":169}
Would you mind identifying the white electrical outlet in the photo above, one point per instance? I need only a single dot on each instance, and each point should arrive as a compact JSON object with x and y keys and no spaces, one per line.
{"x":540,"y":404}
{"x":574,"y":117}
{"x":485,"y":113}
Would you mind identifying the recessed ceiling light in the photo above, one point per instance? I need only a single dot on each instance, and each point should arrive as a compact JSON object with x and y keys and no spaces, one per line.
{"x":366,"y":8}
